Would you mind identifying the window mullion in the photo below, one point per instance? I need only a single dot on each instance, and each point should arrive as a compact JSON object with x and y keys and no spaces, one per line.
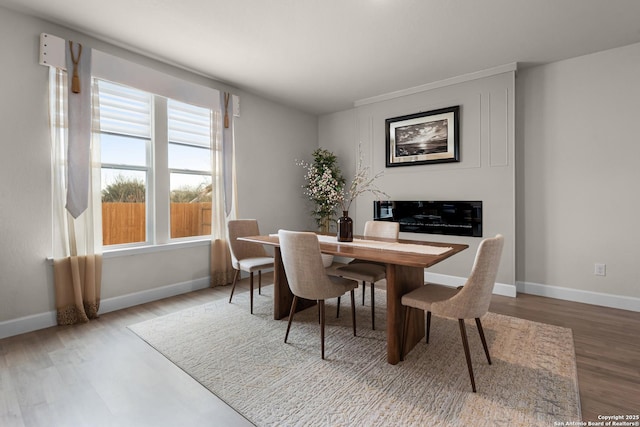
{"x":161,"y":168}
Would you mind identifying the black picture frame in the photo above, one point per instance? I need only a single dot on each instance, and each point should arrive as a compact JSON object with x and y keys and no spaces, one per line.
{"x":423,"y":138}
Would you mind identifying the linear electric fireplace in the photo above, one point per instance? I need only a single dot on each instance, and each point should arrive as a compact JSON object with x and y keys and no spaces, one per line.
{"x":433,"y":217}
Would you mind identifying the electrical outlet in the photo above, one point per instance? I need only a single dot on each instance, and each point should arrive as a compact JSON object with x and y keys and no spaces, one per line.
{"x":600,"y":269}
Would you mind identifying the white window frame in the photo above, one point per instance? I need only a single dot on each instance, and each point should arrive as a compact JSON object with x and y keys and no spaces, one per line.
{"x":158,"y":205}
{"x":190,"y":171}
{"x":119,"y":70}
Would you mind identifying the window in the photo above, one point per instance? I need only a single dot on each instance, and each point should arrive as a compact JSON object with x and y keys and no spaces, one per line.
{"x":125,"y":153}
{"x":189,"y":134}
{"x":156,"y":166}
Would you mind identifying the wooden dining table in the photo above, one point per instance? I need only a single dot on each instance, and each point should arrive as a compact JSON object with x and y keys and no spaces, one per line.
{"x":405,"y":261}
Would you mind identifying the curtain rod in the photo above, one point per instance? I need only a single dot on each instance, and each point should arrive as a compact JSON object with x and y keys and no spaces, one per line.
{"x":52,"y":50}
{"x":52,"y":54}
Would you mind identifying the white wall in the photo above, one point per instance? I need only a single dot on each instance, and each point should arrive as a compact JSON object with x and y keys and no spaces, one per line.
{"x":485,"y":171}
{"x":578,"y":144}
{"x":267,"y":134}
{"x":269,"y":181}
{"x":572,"y":179}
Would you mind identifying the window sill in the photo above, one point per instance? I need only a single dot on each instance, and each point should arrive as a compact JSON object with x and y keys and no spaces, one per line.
{"x":139,"y":250}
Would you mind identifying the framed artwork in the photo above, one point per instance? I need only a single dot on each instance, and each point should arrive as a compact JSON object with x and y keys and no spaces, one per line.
{"x":423,"y":138}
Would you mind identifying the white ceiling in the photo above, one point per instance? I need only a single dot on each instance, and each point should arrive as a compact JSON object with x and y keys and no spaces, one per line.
{"x":322,"y":55}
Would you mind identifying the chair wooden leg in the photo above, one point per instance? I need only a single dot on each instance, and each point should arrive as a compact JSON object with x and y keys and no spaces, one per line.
{"x":428,"y":326}
{"x":291,"y":313}
{"x":364,"y":289}
{"x":373,"y":313}
{"x":353,"y":311}
{"x":259,"y":282}
{"x":338,"y":308}
{"x":465,"y":344}
{"x":233,"y":286}
{"x":484,"y":342}
{"x":321,"y":305}
{"x":251,"y":290}
{"x":405,"y":331}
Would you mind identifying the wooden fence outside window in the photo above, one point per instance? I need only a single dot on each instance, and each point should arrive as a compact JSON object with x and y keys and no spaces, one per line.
{"x":126,"y":222}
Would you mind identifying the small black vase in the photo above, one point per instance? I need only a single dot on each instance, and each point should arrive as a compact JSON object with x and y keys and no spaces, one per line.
{"x":345,"y":228}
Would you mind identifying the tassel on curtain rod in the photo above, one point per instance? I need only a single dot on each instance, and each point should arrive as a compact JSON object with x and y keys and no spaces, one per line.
{"x":226,"y":110}
{"x":75,"y":80}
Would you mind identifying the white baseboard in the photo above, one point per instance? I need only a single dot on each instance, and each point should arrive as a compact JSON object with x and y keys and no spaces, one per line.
{"x":557,"y":292}
{"x":12,"y":327}
{"x":454,"y":281}
{"x":577,"y":295}
{"x":137,"y":298}
{"x":34,"y":322}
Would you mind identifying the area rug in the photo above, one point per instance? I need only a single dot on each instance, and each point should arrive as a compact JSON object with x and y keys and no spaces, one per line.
{"x":243,"y":359}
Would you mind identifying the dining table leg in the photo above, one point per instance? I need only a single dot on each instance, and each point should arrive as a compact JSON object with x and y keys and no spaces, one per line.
{"x":400,"y":280}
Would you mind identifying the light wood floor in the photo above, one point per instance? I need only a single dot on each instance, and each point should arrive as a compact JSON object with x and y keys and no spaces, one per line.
{"x":607,"y":344}
{"x":101,"y":374}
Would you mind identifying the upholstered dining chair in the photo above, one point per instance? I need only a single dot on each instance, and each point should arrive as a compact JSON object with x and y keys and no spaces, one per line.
{"x":246,"y":256}
{"x":366,"y":271}
{"x":308,"y":278}
{"x":470,"y":301}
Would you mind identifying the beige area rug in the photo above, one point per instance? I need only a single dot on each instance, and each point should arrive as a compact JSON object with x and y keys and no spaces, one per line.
{"x":243,"y":359}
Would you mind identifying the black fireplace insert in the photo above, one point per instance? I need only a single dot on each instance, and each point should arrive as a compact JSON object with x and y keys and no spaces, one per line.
{"x":460,"y":218}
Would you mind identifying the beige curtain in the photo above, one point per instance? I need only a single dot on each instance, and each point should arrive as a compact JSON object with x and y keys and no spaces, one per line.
{"x":77,"y":242}
{"x":224,"y":199}
{"x":77,"y":280}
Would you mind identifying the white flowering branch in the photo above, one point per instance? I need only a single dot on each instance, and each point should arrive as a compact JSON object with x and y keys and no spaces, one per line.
{"x":324,"y":185}
{"x":361,"y":184}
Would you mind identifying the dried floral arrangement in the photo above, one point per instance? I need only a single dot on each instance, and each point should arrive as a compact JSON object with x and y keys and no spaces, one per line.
{"x":325,"y":186}
{"x":360,"y":184}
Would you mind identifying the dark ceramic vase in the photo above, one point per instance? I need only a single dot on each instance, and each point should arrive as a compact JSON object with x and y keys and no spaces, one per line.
{"x":345,"y":228}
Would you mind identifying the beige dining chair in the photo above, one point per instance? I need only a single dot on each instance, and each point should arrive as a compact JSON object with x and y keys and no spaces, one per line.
{"x":247,"y":256}
{"x":470,"y":301}
{"x":366,"y":271}
{"x":308,"y":278}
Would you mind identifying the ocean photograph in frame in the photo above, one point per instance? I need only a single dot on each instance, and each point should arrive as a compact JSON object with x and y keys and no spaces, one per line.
{"x":423,"y":138}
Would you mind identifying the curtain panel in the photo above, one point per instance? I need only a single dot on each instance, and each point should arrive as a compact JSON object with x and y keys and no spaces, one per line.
{"x":224,"y":196}
{"x":77,"y":216}
{"x":77,"y":280}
